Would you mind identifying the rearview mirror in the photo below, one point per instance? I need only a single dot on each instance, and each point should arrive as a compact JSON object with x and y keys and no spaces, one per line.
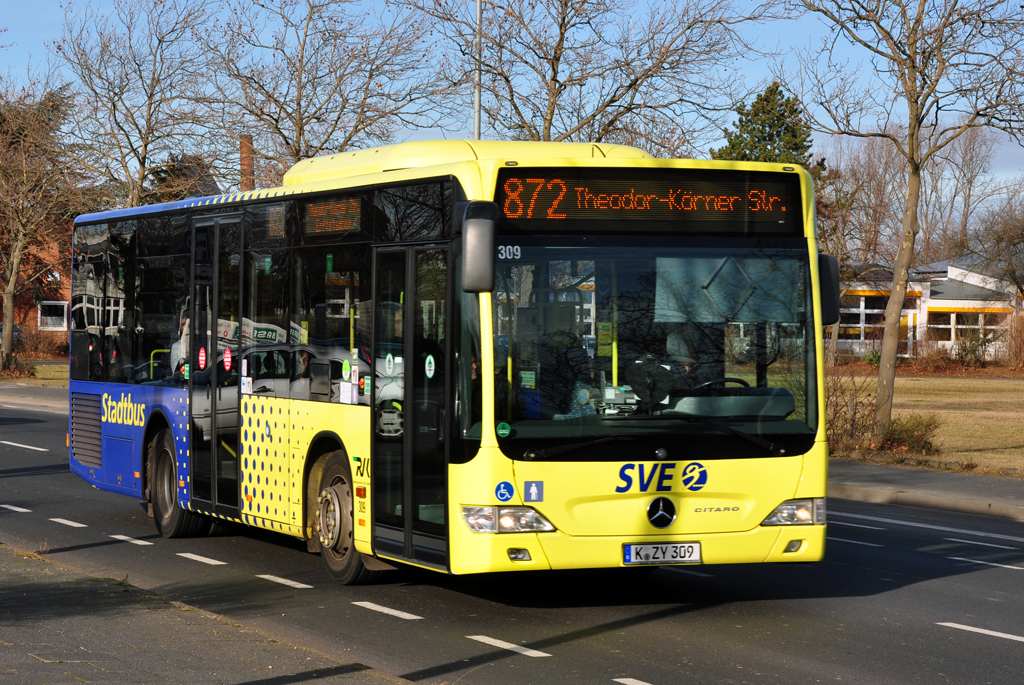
{"x":479,"y":225}
{"x":828,"y":282}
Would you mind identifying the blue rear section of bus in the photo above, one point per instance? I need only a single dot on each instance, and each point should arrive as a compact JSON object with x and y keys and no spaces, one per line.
{"x":110,"y":424}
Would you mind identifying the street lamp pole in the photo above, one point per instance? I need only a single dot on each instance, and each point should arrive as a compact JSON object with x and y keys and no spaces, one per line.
{"x":476,"y":88}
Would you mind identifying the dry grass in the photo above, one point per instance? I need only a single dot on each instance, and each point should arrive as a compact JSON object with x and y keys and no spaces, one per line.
{"x":979,"y":419}
{"x":43,"y":376}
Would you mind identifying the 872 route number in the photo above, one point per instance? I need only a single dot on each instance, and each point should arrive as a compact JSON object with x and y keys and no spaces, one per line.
{"x":509,"y":252}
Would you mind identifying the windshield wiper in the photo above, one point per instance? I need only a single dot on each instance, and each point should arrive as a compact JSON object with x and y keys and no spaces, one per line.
{"x":772,"y":447}
{"x":534,"y":454}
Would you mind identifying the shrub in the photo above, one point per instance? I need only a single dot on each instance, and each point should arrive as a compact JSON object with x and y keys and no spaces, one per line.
{"x":874,"y":358}
{"x":970,"y":348}
{"x":45,"y":344}
{"x":19,"y":370}
{"x":912,"y":432}
{"x":931,"y":357}
{"x":849,"y":409}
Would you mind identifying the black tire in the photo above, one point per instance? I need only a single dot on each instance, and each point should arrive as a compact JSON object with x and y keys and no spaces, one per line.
{"x":171,"y":520}
{"x":335,"y":524}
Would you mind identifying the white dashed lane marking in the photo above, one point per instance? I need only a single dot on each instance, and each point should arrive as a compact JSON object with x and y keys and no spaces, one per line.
{"x":20,"y":510}
{"x":285,"y":581}
{"x":993,"y":633}
{"x":987,"y":563}
{"x":855,"y":525}
{"x":913,"y":524}
{"x":386,"y":610}
{"x":975,"y":542}
{"x":28,"y":447}
{"x":854,"y":542}
{"x":512,"y":647}
{"x":125,"y":538}
{"x":73,"y":524}
{"x":204,"y":560}
{"x":629,"y":681}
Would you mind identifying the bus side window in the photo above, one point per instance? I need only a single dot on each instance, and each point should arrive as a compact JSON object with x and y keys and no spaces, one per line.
{"x":119,"y":303}
{"x":265,"y":318}
{"x":331,"y":317}
{"x":160,"y":293}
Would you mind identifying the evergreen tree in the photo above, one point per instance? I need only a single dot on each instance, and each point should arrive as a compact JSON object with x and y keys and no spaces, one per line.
{"x":772,"y":129}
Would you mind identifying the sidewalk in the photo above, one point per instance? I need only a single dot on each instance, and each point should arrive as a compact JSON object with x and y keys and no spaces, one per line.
{"x":963,"y":492}
{"x":59,"y":625}
{"x":33,"y":396}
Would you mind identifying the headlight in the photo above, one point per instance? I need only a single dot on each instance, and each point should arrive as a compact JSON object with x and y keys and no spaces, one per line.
{"x":505,"y":520}
{"x":797,"y":512}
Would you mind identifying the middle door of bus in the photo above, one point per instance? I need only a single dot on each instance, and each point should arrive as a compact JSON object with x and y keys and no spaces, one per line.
{"x":213,"y":362}
{"x":410,"y":402}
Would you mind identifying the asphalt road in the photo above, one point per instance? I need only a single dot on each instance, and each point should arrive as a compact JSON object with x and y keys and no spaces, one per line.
{"x":904,"y":595}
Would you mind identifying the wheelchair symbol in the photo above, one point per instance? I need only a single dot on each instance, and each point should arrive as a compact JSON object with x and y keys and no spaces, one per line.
{"x":504,"y":491}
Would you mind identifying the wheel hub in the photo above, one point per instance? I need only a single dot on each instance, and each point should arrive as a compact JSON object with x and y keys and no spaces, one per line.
{"x":329,"y":516}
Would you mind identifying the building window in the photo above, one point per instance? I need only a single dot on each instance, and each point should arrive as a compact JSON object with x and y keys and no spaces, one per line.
{"x":940,"y":326}
{"x":53,"y":316}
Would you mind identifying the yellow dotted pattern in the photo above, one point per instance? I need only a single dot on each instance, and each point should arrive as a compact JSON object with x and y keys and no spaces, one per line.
{"x":266,"y":471}
{"x":179,"y":428}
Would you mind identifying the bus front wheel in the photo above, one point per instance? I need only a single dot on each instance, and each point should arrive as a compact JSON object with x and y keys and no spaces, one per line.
{"x":172,"y":521}
{"x":334,"y":519}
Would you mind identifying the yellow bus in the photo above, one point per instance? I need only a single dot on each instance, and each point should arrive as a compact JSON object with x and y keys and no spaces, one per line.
{"x":469,"y":356}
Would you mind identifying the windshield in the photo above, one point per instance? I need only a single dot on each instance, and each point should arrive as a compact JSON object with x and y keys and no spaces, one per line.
{"x":650,"y":338}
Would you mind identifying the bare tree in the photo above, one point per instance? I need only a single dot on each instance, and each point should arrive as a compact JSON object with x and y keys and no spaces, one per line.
{"x":938,"y":68}
{"x":660,"y":76}
{"x":954,"y":190}
{"x":39,"y":194}
{"x":310,"y":77}
{"x":999,"y":238}
{"x":134,"y":69}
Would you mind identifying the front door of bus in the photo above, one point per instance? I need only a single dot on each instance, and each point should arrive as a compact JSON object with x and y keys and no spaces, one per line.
{"x":410,"y":397}
{"x":213,"y":362}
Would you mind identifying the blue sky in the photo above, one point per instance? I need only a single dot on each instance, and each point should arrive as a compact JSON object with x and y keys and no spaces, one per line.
{"x":32,"y":24}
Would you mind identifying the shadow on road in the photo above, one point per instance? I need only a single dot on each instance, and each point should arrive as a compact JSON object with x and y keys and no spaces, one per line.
{"x":43,"y":470}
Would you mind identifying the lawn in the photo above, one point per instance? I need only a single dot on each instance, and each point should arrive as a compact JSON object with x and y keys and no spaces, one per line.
{"x":980,"y":418}
{"x":46,"y":376}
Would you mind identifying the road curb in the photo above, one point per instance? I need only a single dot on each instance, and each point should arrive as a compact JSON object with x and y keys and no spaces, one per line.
{"x":8,"y":395}
{"x":928,"y":500}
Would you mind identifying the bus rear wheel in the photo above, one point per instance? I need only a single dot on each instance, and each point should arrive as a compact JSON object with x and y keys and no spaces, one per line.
{"x":172,"y":521}
{"x":335,"y":524}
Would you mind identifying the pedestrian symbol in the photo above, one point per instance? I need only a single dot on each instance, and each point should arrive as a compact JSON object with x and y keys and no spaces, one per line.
{"x":504,"y":491}
{"x":534,"y":490}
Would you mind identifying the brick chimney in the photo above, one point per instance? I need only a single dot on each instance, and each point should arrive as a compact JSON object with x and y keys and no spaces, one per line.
{"x":246,"y":164}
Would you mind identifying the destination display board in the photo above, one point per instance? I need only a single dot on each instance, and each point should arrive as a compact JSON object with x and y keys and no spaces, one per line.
{"x":689,"y":200}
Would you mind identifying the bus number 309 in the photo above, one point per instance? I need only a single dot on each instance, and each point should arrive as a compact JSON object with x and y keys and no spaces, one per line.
{"x":509,"y":252}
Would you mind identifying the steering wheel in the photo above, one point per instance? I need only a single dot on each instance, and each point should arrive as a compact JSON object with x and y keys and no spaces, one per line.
{"x":722,"y":381}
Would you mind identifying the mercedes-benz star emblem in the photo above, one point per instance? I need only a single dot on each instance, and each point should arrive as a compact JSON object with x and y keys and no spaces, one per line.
{"x":661,"y":512}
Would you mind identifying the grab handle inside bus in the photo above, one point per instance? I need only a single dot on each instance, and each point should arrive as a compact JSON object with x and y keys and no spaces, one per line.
{"x":479,"y":226}
{"x":828,"y":279}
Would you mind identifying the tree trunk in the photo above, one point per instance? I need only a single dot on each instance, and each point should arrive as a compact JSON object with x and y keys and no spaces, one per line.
{"x":10,"y":288}
{"x":894,"y":309}
{"x":832,"y":351}
{"x":7,"y":341}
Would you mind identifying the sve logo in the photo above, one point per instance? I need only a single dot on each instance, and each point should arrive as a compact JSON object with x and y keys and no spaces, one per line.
{"x":661,"y":477}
